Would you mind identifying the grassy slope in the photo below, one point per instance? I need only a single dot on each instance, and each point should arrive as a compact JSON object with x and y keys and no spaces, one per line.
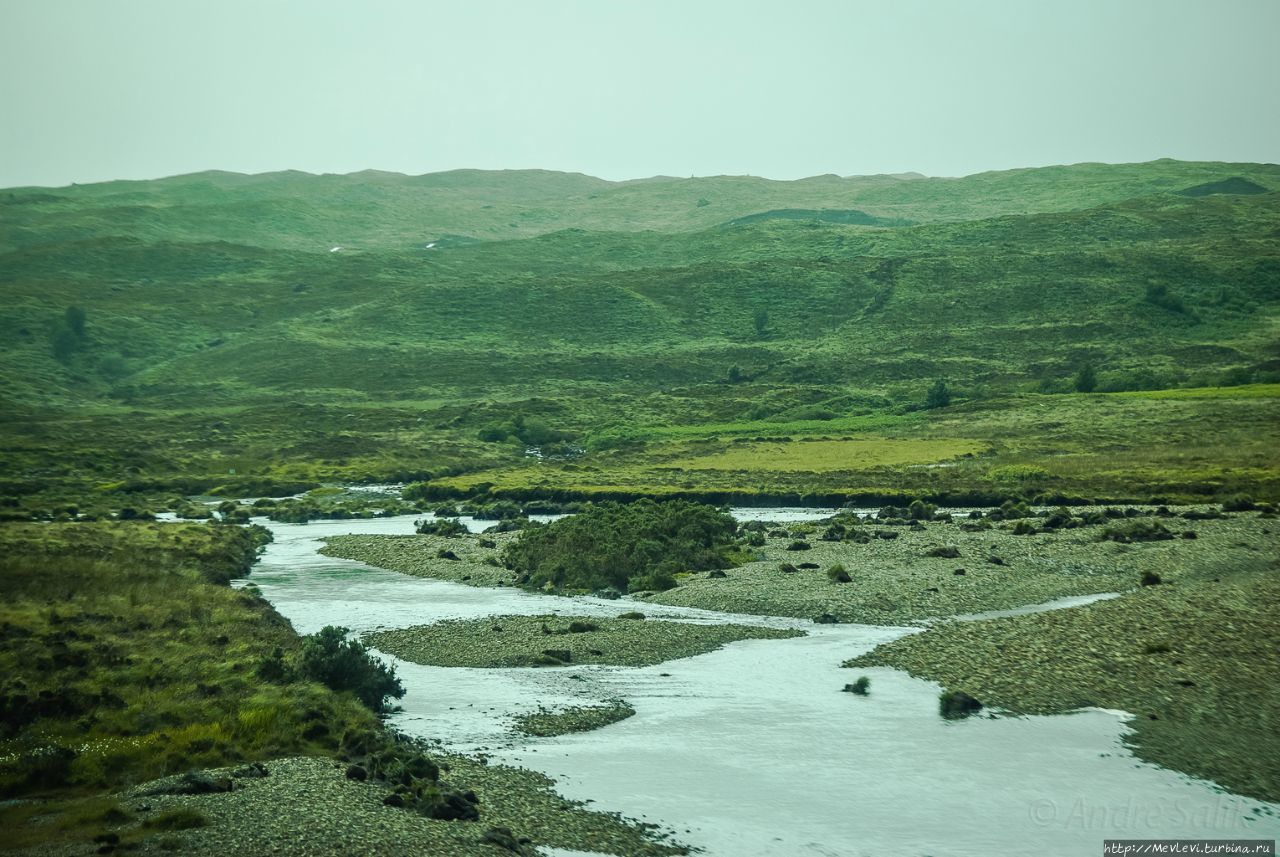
{"x":221,"y":337}
{"x":123,"y":648}
{"x":118,"y":648}
{"x":125,"y":657}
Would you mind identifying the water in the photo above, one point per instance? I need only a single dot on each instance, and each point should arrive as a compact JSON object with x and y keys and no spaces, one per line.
{"x":754,"y":749}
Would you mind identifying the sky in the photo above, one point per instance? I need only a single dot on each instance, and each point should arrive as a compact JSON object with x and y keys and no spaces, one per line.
{"x":92,"y":90}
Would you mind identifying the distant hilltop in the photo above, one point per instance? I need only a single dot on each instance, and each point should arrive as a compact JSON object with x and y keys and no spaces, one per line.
{"x":373,"y":208}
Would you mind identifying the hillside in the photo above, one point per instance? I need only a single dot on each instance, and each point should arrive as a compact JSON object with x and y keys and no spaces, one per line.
{"x":202,"y":327}
{"x":368,"y":210}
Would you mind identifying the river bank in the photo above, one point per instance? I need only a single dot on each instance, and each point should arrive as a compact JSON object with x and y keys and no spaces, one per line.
{"x":752,"y":750}
{"x":125,"y":656}
{"x":1194,"y":659}
{"x":553,"y":640}
{"x":900,"y":574}
{"x":1178,"y":654}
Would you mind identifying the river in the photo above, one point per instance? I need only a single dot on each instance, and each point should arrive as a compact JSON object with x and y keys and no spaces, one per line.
{"x":752,"y":750}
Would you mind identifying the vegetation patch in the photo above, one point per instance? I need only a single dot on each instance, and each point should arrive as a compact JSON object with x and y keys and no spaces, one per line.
{"x":830,"y":455}
{"x":624,"y":547}
{"x":545,"y":723}
{"x":523,"y":641}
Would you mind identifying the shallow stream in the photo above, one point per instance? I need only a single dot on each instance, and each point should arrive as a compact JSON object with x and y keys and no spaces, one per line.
{"x":753,"y":749}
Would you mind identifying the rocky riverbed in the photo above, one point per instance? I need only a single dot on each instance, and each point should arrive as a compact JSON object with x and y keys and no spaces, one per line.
{"x":309,"y":806}
{"x":552,"y":640}
{"x":901,"y":573}
{"x":1194,"y":658}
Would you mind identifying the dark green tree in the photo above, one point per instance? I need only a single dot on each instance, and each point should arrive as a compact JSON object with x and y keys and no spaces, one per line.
{"x":761,"y":319}
{"x":735,"y":374}
{"x":1086,"y":380}
{"x":75,"y":319}
{"x":331,"y":659}
{"x":938,"y":396}
{"x":627,"y":547}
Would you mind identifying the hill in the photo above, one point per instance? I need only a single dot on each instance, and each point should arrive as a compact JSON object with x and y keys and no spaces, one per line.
{"x":201,"y":329}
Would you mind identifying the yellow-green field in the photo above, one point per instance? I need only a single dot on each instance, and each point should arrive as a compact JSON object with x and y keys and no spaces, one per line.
{"x":828,"y":455}
{"x":1082,"y":446}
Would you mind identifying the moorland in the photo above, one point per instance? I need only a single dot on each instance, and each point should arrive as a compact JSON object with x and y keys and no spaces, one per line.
{"x":1063,"y":343}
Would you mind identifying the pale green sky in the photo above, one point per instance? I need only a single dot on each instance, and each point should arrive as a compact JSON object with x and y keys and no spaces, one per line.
{"x":100,"y":89}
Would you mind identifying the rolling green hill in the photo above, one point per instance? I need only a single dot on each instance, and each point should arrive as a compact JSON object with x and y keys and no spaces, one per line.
{"x":202,"y":327}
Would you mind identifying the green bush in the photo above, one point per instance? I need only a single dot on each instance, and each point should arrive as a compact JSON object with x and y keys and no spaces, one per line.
{"x":938,"y":396}
{"x":955,"y":704}
{"x":1239,"y":503}
{"x":624,"y":546}
{"x":1086,"y":380}
{"x":345,"y":665}
{"x":442,"y":527}
{"x":1136,"y":531}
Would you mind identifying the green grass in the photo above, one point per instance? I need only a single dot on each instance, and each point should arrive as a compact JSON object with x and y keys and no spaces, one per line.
{"x":225,"y":348}
{"x":126,"y":657}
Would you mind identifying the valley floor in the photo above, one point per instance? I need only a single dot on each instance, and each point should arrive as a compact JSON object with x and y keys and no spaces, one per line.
{"x":1190,"y":656}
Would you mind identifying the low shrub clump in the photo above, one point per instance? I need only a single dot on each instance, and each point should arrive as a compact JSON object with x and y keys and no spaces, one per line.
{"x":442,"y":527}
{"x":956,"y":704}
{"x":626,"y":547}
{"x":1136,"y":531}
{"x":345,"y":665}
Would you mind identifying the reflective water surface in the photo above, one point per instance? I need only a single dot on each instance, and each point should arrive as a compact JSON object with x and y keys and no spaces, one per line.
{"x":754,"y":749}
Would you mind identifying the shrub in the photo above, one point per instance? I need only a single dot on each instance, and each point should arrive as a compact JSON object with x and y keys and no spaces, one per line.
{"x":657,"y":581}
{"x":946,"y":552}
{"x":1086,"y":380}
{"x":442,"y":527}
{"x":1157,"y":294}
{"x":634,"y":614}
{"x":345,"y":665}
{"x":862,"y":687}
{"x":955,"y":704}
{"x":1136,"y":531}
{"x":788,"y":568}
{"x":938,"y":396}
{"x":837,"y":574}
{"x":920,"y":510}
{"x":833,"y":533}
{"x":274,"y":669}
{"x":627,"y":547}
{"x":1239,"y":503}
{"x":799,"y":545}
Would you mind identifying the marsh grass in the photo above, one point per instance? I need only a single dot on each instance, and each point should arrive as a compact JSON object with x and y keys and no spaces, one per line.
{"x":122,"y":662}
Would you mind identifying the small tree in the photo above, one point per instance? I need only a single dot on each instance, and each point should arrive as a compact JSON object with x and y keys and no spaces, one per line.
{"x":761,"y":319}
{"x":342,"y":664}
{"x":938,"y":396}
{"x":735,"y":374}
{"x":1086,"y":379}
{"x":75,"y":318}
